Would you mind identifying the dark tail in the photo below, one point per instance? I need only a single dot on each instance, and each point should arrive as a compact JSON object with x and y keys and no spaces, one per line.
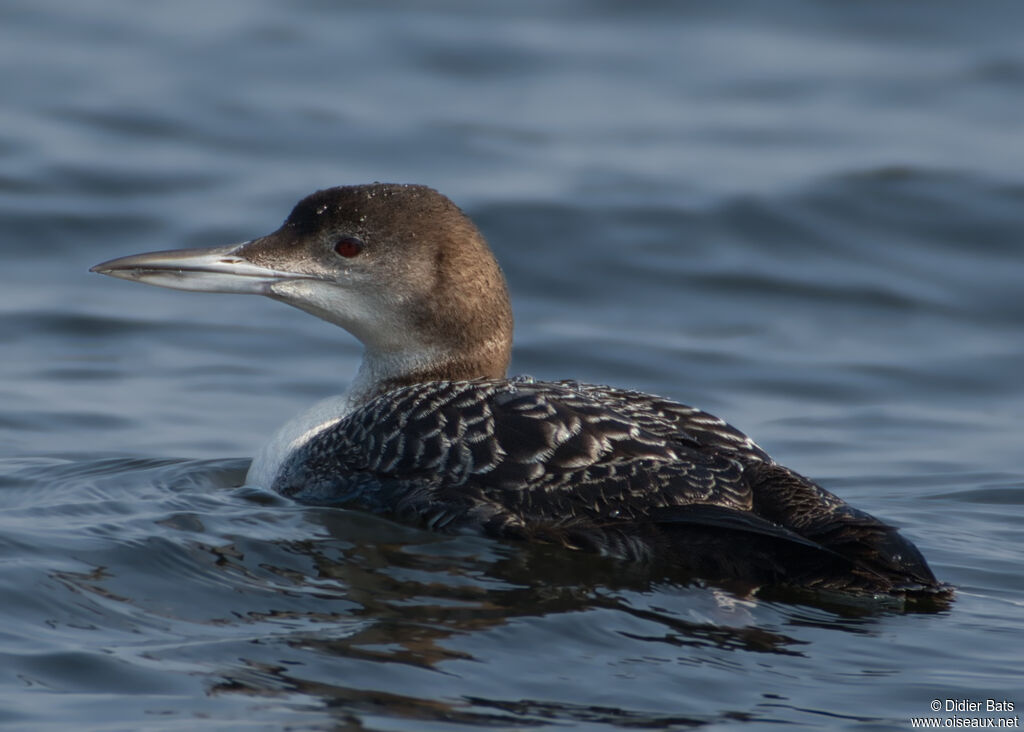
{"x":880,"y":559}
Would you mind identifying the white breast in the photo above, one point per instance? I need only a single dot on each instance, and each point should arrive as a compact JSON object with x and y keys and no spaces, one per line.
{"x":296,"y":432}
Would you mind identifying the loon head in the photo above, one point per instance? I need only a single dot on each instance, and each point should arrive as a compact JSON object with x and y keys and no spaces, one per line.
{"x":400,"y":267}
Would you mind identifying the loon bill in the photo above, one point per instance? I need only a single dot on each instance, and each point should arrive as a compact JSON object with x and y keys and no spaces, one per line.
{"x":433,"y":432}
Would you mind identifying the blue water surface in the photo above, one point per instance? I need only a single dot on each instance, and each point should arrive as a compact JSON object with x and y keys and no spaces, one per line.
{"x":805,"y":217}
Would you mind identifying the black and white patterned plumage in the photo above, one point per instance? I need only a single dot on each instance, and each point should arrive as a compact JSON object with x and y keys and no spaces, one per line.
{"x":520,"y":449}
{"x":600,"y":469}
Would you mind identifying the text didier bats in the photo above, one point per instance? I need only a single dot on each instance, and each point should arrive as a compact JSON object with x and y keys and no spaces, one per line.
{"x":989,"y":705}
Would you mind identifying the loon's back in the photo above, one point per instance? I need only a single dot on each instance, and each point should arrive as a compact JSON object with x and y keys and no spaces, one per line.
{"x":600,"y":469}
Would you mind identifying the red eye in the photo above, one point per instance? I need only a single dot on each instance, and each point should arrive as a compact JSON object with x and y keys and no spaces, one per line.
{"x":348,"y":246}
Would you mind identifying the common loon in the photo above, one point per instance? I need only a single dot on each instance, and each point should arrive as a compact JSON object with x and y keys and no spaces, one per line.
{"x":433,"y":432}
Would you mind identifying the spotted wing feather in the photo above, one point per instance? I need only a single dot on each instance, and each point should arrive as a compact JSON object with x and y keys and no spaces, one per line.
{"x":510,"y":454}
{"x":600,"y":469}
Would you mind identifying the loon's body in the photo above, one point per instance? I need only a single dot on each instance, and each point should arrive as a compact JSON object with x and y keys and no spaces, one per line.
{"x":433,"y":432}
